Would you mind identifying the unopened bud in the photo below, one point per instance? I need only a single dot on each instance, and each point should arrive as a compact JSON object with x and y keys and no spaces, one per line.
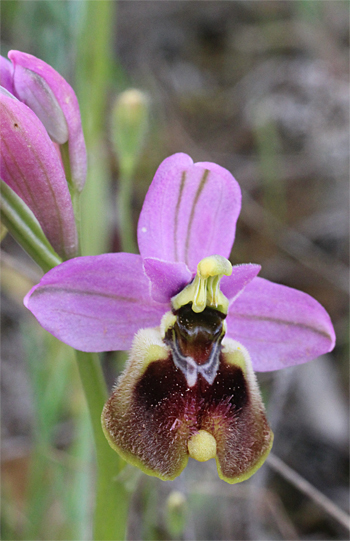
{"x":54,"y":102}
{"x":31,"y":167}
{"x":129,"y":127}
{"x":176,"y":512}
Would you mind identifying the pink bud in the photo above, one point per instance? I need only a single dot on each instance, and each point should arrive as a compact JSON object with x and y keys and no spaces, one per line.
{"x":31,"y":166}
{"x":53,"y":100}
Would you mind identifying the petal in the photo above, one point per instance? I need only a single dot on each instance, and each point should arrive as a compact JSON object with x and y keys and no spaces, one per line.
{"x":153,"y":416}
{"x":66,"y":99}
{"x":166,"y":278}
{"x":190,"y":212}
{"x":31,"y":166}
{"x":241,"y":276}
{"x":279,"y":326}
{"x":6,"y":74}
{"x":34,"y":91}
{"x":141,"y":420}
{"x":236,"y":416}
{"x":95,"y":303}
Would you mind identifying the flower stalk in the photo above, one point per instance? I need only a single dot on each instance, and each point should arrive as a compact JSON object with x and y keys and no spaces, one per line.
{"x":125,"y":215}
{"x":129,"y":127}
{"x":111,"y":496}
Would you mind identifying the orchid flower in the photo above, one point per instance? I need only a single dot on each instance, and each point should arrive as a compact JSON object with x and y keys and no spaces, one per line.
{"x":53,"y":100}
{"x":197,"y":327}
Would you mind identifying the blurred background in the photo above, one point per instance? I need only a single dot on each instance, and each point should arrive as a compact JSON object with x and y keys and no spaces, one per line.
{"x":261,"y":88}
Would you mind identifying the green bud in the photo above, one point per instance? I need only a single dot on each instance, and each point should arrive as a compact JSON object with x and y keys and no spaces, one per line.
{"x":176,"y":512}
{"x":129,"y":127}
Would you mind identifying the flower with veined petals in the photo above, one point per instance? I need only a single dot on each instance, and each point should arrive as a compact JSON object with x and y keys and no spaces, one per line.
{"x":197,"y":328}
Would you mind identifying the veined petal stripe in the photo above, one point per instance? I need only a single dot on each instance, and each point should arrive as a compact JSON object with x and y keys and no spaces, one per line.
{"x":200,"y":188}
{"x":53,"y":289}
{"x":176,"y":219}
{"x":279,"y":322}
{"x":86,"y":316}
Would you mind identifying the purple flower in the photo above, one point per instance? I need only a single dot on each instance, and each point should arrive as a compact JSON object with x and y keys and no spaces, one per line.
{"x":197,"y":328}
{"x":31,"y":166}
{"x":53,"y":100}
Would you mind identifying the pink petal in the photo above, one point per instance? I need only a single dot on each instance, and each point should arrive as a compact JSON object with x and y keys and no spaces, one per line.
{"x":26,"y":88}
{"x":6,"y":74}
{"x":95,"y":303}
{"x":167,"y":278}
{"x":232,"y":286}
{"x":31,"y":167}
{"x":34,"y":91}
{"x":190,"y":212}
{"x":279,"y":326}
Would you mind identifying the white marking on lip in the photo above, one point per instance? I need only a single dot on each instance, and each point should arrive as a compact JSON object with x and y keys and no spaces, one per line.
{"x":175,"y":424}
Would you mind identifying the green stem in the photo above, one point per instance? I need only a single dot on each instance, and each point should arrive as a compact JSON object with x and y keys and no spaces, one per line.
{"x":93,"y":74}
{"x":24,"y":227}
{"x":124,"y":207}
{"x":111,"y":496}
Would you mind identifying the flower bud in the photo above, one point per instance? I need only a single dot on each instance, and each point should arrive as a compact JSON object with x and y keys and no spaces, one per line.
{"x":129,"y":118}
{"x":176,"y":512}
{"x":53,"y":100}
{"x":31,"y":166}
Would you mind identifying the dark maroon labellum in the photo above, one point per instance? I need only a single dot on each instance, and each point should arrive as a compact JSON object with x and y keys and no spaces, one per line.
{"x":196,"y":387}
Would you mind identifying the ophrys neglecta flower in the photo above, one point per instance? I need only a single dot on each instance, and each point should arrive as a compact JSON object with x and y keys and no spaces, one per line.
{"x":198,"y":328}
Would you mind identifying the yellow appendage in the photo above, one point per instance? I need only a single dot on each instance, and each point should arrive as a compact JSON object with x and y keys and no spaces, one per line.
{"x":202,"y":446}
{"x":205,"y":289}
